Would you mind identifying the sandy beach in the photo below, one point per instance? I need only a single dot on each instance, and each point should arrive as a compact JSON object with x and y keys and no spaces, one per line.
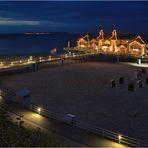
{"x":84,"y":90}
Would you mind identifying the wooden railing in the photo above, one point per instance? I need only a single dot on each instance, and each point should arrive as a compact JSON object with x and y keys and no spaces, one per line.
{"x":13,"y":62}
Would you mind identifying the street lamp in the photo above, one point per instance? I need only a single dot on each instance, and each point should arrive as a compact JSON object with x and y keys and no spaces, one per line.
{"x":39,"y":110}
{"x":12,"y":63}
{"x":40,"y":58}
{"x":31,"y":58}
{"x":119,"y":137}
{"x":28,"y":61}
{"x":1,"y":63}
{"x":139,"y":61}
{"x":49,"y":58}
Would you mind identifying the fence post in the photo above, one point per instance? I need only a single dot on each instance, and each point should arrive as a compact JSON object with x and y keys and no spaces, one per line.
{"x":119,"y":137}
{"x":30,"y":106}
{"x":138,"y":143}
{"x":103,"y":133}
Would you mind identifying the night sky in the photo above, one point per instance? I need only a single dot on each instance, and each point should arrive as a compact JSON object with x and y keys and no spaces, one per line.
{"x":73,"y":16}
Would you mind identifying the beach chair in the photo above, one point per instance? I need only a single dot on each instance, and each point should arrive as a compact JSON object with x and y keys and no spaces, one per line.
{"x":130,"y":87}
{"x":139,"y":83}
{"x":112,"y":83}
{"x":121,"y":80}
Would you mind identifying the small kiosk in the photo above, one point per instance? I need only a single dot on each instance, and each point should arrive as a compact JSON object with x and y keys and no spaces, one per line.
{"x":23,"y":97}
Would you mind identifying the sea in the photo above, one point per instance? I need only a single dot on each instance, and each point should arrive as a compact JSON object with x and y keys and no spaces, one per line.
{"x":21,"y":44}
{"x":35,"y":44}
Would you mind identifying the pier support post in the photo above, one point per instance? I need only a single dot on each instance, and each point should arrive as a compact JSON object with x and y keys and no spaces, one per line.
{"x":118,"y":60}
{"x":62,"y":62}
{"x":35,"y":66}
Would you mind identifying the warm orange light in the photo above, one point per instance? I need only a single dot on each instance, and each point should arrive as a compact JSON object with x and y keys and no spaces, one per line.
{"x":39,"y":110}
{"x":31,"y":58}
{"x":113,"y":44}
{"x":1,"y":63}
{"x":12,"y":63}
{"x":119,"y":137}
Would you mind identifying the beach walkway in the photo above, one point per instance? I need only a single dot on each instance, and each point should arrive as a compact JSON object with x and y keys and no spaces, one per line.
{"x":72,"y":136}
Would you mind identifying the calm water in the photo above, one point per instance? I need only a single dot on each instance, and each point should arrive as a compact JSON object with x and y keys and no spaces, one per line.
{"x":21,"y":44}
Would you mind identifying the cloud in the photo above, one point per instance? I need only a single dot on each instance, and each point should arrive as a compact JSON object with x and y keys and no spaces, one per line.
{"x":15,"y":22}
{"x":5,"y":19}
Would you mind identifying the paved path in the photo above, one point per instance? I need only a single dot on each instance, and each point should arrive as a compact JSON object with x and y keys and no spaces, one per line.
{"x":79,"y":136}
{"x":135,"y":64}
{"x":29,"y":124}
{"x":61,"y":139}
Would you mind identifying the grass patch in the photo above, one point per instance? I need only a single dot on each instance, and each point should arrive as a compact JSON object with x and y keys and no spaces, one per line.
{"x":14,"y":134}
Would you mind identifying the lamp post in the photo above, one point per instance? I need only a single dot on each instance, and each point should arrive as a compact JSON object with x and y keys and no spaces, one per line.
{"x":12,"y":63}
{"x":39,"y":110}
{"x":31,"y":58}
{"x":119,"y":137}
{"x":40,"y":59}
{"x":118,"y":57}
{"x":1,"y":63}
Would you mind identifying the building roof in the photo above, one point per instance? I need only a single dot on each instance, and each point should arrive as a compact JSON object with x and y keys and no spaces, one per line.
{"x":114,"y":35}
{"x":138,"y":39}
{"x":122,"y":45}
{"x":101,"y":35}
{"x":82,"y":40}
{"x":106,"y":45}
{"x":93,"y":41}
{"x":113,"y":38}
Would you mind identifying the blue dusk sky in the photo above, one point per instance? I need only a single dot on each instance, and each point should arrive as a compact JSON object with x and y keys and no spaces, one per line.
{"x":73,"y":16}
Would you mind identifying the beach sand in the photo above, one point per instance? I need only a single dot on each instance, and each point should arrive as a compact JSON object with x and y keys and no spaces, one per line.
{"x":84,"y":90}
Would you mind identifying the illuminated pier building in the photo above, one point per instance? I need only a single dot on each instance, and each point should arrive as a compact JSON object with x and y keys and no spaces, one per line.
{"x":112,"y":44}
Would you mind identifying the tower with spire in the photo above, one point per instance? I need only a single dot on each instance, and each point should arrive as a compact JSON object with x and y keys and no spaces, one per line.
{"x":113,"y":40}
{"x":100,"y":39}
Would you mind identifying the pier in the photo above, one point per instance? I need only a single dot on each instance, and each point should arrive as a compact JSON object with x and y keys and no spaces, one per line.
{"x":9,"y":65}
{"x":13,"y":64}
